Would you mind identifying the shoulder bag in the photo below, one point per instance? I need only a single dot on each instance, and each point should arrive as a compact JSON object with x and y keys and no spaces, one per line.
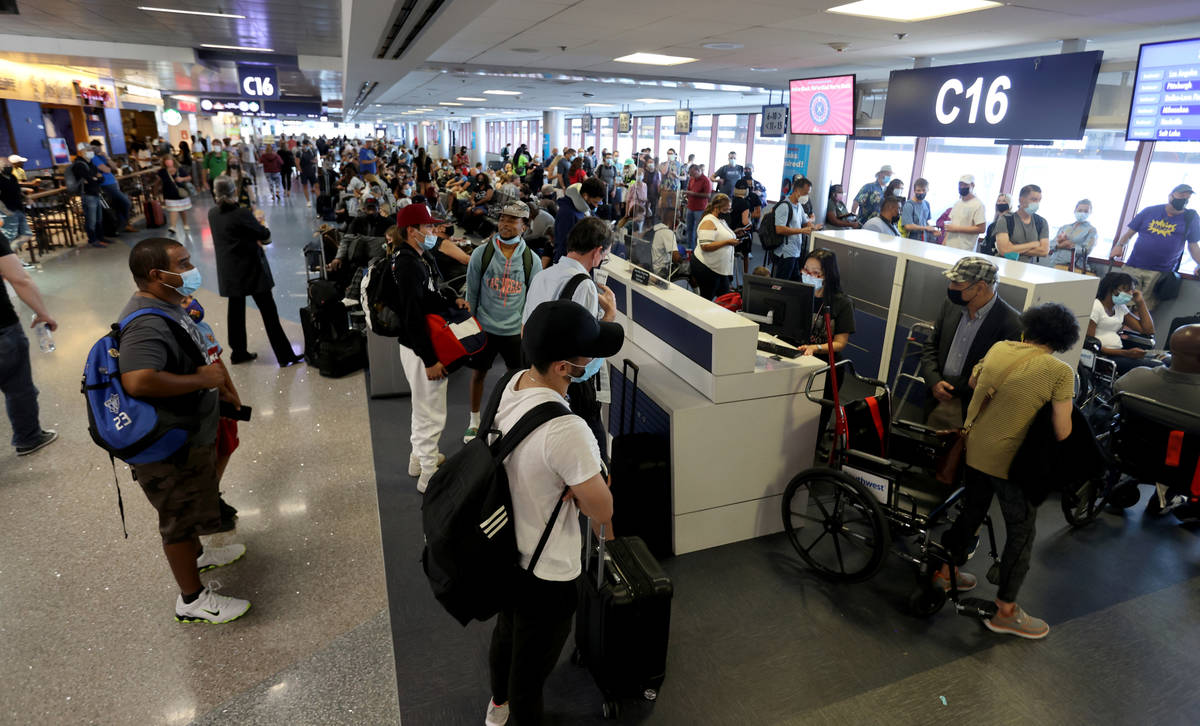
{"x":949,"y":465}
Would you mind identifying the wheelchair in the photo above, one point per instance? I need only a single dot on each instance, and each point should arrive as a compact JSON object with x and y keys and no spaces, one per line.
{"x":877,"y":492}
{"x":1139,"y":447}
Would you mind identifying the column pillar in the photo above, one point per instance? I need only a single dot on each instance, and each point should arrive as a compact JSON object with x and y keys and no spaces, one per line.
{"x":813,"y":156}
{"x":443,"y":140}
{"x":552,"y":134}
{"x":478,"y":141}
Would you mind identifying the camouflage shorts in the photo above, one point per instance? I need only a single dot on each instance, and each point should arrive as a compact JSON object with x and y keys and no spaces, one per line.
{"x":183,"y":490}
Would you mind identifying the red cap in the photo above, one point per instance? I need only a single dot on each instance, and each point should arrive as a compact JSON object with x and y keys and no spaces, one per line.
{"x":415,"y":215}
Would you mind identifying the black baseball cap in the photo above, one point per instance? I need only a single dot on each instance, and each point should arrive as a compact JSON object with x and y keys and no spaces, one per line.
{"x":564,"y":329}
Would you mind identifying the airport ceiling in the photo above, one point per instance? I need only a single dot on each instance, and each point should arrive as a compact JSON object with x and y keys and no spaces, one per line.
{"x":395,"y":55}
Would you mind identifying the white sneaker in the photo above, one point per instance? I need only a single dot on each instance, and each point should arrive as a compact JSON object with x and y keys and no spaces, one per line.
{"x":496,"y":715}
{"x":414,"y":465}
{"x":210,"y":607}
{"x":214,"y":557}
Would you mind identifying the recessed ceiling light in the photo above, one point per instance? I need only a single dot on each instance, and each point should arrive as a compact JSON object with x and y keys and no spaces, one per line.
{"x":502,"y":93}
{"x":654,"y":59}
{"x":652,"y":100}
{"x":449,"y":103}
{"x":759,"y":69}
{"x":912,"y":12}
{"x":722,"y":46}
{"x":525,"y":50}
{"x":470,"y":98}
{"x":378,"y":105}
{"x":191,"y":12}
{"x":236,"y":47}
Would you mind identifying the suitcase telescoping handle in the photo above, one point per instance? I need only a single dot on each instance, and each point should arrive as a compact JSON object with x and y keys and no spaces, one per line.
{"x":587,"y":549}
{"x":626,"y":365}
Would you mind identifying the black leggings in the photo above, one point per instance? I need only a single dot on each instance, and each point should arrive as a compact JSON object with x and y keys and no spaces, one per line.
{"x":287,"y":178}
{"x":711,"y":284}
{"x":528,"y":638}
{"x":1020,"y":516}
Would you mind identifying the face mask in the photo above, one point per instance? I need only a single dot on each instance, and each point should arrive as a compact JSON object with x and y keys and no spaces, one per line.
{"x":803,"y":199}
{"x":1001,"y":208}
{"x":919,"y":196}
{"x":189,"y":281}
{"x":671,"y":157}
{"x":88,"y":155}
{"x":963,"y":190}
{"x":956,"y":296}
{"x":732,"y":159}
{"x":1122,"y":298}
{"x":808,"y":279}
{"x":1031,"y":207}
{"x":885,"y":181}
{"x":1179,"y":204}
{"x":1081,"y":216}
{"x":509,"y":240}
{"x":898,"y":193}
{"x":592,"y":368}
{"x":430,"y":241}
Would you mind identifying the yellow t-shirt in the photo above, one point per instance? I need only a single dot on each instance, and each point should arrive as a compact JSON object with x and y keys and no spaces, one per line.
{"x":19,"y":173}
{"x":999,"y":432}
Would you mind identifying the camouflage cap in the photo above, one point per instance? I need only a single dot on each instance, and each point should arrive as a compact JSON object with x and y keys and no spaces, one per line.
{"x":972,"y":269}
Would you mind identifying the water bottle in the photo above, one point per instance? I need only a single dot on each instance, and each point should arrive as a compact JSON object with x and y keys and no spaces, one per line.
{"x":45,"y":338}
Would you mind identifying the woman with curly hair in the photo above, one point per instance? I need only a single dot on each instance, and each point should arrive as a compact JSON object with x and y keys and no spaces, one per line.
{"x":1012,"y":383}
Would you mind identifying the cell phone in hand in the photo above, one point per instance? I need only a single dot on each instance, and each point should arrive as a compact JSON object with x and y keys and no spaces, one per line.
{"x":227,"y":410}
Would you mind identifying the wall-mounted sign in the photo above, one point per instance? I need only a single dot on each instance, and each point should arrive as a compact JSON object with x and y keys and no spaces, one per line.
{"x":51,"y":84}
{"x":245,"y":108}
{"x":172,"y":117}
{"x":822,"y":106}
{"x":258,"y":81}
{"x":683,"y":122}
{"x":624,"y":122}
{"x":59,"y":151}
{"x":774,"y":120}
{"x":1046,"y":97}
{"x":587,"y":123}
{"x":92,"y":95}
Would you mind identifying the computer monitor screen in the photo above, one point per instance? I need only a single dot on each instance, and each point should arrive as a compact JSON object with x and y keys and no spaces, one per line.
{"x":790,"y":302}
{"x":822,"y":105}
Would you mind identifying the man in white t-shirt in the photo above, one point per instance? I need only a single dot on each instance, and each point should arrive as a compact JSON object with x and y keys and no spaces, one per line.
{"x":966,"y":217}
{"x":664,"y":247}
{"x":559,"y":460}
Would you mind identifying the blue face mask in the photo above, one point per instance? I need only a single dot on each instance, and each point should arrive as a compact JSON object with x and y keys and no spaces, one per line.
{"x":592,"y":368}
{"x":1122,"y":298}
{"x":430,"y":241}
{"x":1032,"y":207}
{"x":808,"y":279}
{"x":190,"y":281}
{"x":1081,"y":216}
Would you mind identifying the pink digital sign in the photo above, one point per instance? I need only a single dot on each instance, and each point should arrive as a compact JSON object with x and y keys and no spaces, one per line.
{"x":822,"y":105}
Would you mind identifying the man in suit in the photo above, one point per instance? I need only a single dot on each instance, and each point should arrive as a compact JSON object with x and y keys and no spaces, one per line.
{"x":972,"y":319}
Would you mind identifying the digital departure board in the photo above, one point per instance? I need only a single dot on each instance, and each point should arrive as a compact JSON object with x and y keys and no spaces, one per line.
{"x":1166,"y":96}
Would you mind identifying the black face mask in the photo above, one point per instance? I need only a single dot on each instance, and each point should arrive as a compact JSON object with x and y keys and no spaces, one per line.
{"x":1179,"y":204}
{"x":1001,"y":208}
{"x":963,"y":190}
{"x":920,"y":196}
{"x":956,"y":296}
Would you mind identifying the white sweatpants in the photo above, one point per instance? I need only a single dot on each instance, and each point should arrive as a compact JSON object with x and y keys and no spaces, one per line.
{"x":428,"y":409}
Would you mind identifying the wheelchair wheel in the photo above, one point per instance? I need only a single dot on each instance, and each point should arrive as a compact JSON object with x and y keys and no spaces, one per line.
{"x":925,"y":600}
{"x":835,"y":524}
{"x":1081,"y":504}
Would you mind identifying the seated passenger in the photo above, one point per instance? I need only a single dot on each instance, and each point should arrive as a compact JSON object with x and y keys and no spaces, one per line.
{"x":1111,"y":315}
{"x":970,"y":322}
{"x":885,"y":221}
{"x":370,"y":223}
{"x":836,"y":214}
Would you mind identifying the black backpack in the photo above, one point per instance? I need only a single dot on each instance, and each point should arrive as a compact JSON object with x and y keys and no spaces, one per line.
{"x":471,"y":552}
{"x":767,"y":236}
{"x":377,"y":294}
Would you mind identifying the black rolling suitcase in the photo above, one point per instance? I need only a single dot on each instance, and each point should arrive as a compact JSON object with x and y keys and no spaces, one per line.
{"x":641,"y":473}
{"x":330,"y":343}
{"x":623,"y":622}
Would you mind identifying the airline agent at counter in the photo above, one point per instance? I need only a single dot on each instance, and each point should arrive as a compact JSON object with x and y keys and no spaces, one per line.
{"x":821,"y":271}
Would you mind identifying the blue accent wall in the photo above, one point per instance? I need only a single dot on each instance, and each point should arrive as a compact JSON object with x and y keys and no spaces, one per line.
{"x":648,"y":417}
{"x":679,"y":333}
{"x":29,"y":133}
{"x":869,"y":334}
{"x":116,"y":132}
{"x":619,"y":291}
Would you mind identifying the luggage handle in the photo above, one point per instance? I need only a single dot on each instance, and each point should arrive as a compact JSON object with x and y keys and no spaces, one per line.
{"x":587,"y":549}
{"x":626,"y":364}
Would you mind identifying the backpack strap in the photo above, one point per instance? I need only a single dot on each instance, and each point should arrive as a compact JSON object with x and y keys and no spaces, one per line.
{"x":527,"y":261}
{"x":568,"y":291}
{"x":181,"y":334}
{"x":489,"y":251}
{"x":488,"y":418}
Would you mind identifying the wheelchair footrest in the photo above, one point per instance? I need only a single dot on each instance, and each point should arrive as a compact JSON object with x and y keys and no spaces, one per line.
{"x":976,"y":607}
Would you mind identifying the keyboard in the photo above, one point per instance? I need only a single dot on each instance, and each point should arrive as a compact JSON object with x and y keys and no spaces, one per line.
{"x":783,"y":351}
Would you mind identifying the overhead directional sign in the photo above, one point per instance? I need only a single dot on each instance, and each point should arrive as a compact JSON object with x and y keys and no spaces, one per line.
{"x":256,"y":81}
{"x":774,"y":120}
{"x":1045,"y":97}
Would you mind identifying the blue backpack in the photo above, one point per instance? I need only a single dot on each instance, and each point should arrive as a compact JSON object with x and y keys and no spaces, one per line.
{"x":128,"y":428}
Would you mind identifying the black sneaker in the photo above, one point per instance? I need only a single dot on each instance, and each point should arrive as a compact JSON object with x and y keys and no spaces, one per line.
{"x":44,"y":439}
{"x":228,"y":518}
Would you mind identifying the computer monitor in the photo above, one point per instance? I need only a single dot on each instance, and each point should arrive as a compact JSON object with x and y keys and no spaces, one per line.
{"x":790,"y":302}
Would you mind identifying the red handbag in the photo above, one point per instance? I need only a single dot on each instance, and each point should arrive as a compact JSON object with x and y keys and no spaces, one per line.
{"x":455,"y":335}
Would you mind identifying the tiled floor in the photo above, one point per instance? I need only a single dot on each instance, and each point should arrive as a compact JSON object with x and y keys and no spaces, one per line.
{"x":87,"y":633}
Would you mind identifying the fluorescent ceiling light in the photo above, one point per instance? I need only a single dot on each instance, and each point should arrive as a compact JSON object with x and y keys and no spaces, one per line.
{"x":654,"y":59}
{"x":912,"y":12}
{"x":599,"y":105}
{"x":652,"y":100}
{"x":470,"y":98}
{"x":449,"y":103}
{"x":560,"y":108}
{"x":502,"y":93}
{"x":191,"y":12}
{"x":236,"y":47}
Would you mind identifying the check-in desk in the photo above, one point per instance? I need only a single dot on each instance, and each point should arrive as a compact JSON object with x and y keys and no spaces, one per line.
{"x":896,"y":282}
{"x":738,"y":426}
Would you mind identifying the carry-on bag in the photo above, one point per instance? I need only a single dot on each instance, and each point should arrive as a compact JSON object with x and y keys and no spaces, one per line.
{"x":455,"y":335}
{"x":641,"y":472}
{"x":154,"y":214}
{"x":623,"y":622}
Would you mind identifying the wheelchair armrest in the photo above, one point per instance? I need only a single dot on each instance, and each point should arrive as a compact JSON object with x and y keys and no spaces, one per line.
{"x":1138,"y":339}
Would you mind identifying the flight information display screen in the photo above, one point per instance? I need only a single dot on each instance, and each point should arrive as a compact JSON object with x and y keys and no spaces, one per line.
{"x":822,"y":106}
{"x":1166,"y":96}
